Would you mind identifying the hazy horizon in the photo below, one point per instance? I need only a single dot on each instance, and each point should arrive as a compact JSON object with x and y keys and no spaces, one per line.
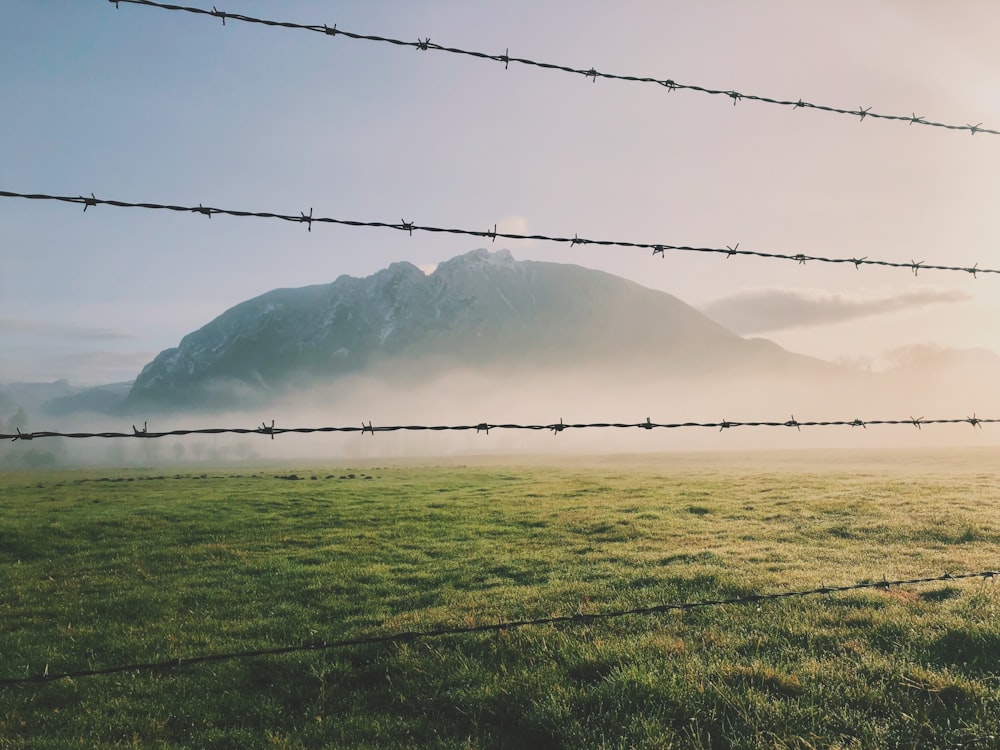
{"x":140,"y":104}
{"x":540,"y":397}
{"x":753,"y":314}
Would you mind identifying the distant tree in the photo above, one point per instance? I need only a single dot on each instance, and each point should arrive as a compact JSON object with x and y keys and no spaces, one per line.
{"x":245,"y":451}
{"x":19,"y":421}
{"x":115,"y":453}
{"x":34,"y":458}
{"x":151,"y":451}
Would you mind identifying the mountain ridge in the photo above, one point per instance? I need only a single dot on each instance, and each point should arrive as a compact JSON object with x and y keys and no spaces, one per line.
{"x":481,"y":309}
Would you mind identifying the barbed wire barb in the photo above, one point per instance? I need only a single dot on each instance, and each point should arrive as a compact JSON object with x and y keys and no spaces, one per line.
{"x":411,"y":227}
{"x":425,"y":44}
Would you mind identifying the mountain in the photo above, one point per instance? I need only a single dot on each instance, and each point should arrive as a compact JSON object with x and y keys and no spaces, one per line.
{"x":59,"y":398}
{"x":482,"y":310}
{"x":98,"y":399}
{"x":32,"y":397}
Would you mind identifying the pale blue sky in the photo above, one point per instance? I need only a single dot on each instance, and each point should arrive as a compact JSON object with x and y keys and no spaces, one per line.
{"x":141,"y":104}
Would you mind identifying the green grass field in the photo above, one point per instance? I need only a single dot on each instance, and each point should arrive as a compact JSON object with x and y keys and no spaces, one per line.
{"x":107,"y":567}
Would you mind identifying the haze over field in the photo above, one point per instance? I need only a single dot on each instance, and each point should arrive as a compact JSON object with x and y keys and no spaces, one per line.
{"x":487,"y":338}
{"x":142,"y":104}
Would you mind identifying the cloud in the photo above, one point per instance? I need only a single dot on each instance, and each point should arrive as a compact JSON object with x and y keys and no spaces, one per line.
{"x":81,"y":367}
{"x":513,"y":225}
{"x":932,"y":355}
{"x":40,"y":328}
{"x":100,"y":360}
{"x":771,"y":310}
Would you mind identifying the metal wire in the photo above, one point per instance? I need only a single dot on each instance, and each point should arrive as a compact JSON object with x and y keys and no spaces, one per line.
{"x":412,"y":635}
{"x":658,"y":248}
{"x":485,"y":427}
{"x":591,"y":73}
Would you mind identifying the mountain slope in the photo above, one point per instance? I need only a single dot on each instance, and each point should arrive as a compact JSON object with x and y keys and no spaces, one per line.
{"x":480,"y":310}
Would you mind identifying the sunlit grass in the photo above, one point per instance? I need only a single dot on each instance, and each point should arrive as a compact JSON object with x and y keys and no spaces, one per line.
{"x":101,"y":569}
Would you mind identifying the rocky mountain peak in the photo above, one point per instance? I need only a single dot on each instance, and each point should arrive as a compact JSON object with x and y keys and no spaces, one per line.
{"x":482,"y":258}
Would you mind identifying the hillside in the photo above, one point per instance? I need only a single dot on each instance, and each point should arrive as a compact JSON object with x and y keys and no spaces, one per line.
{"x":481,"y":311}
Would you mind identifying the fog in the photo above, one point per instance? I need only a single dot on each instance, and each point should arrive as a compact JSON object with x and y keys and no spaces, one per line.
{"x":923,"y":384}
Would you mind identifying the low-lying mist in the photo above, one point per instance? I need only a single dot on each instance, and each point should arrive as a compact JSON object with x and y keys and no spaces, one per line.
{"x":471,"y":397}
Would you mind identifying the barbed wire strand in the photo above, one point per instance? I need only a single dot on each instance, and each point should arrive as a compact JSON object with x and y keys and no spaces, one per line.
{"x":485,"y":427}
{"x":413,"y":635}
{"x":658,"y":248}
{"x":591,"y":73}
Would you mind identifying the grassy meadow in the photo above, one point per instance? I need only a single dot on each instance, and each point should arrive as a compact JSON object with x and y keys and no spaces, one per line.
{"x":104,"y":567}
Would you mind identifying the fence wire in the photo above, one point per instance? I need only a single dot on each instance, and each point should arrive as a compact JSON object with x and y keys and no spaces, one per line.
{"x":658,"y":248}
{"x":579,"y":618}
{"x":485,"y":427}
{"x":591,"y":73}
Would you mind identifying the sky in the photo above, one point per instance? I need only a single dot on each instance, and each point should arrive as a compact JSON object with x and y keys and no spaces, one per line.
{"x":140,"y":104}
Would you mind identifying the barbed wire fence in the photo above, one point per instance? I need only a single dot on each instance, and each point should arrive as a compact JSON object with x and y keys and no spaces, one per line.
{"x":593,"y":74}
{"x":578,"y":618}
{"x":657,"y":248}
{"x":484,"y":427}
